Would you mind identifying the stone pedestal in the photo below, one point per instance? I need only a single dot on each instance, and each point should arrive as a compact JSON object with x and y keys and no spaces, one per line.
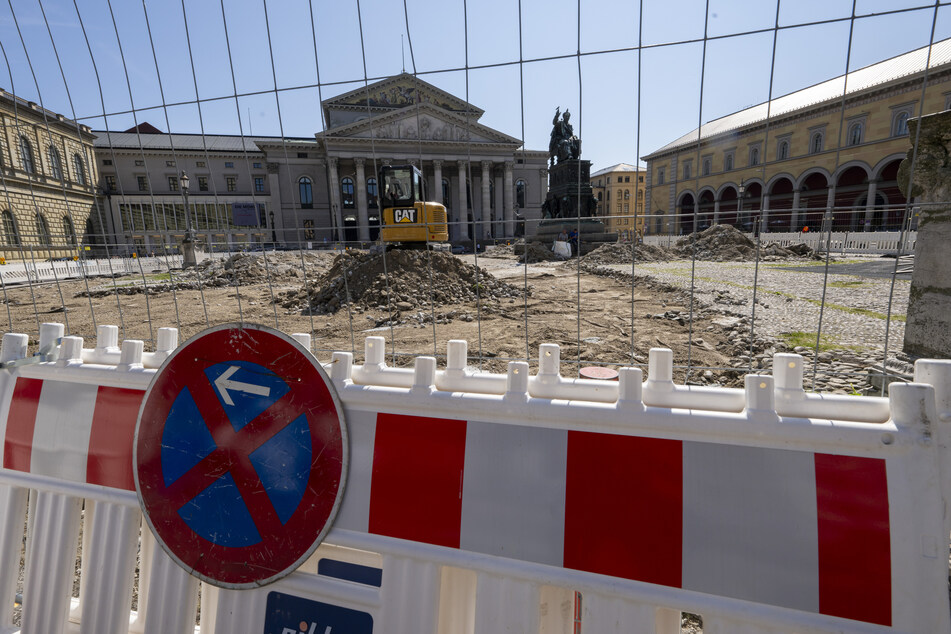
{"x":189,"y":257}
{"x":928,"y":325}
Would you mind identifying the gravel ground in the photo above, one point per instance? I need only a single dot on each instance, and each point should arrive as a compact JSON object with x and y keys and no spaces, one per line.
{"x":789,"y":300}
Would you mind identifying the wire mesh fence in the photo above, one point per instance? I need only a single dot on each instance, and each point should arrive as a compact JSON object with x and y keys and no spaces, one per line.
{"x":779,"y":226}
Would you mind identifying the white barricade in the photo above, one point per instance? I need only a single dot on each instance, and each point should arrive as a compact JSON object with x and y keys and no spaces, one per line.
{"x":842,"y":242}
{"x":505,"y":503}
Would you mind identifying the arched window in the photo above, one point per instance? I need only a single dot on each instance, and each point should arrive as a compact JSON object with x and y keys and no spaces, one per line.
{"x":520,"y":193}
{"x":783,"y":152}
{"x":705,"y":170}
{"x":306,"y":190}
{"x":627,"y":194}
{"x":10,"y":234}
{"x":43,"y":230}
{"x":371,"y":192}
{"x":26,"y":155}
{"x":346,"y":188}
{"x":609,"y":195}
{"x":900,"y":124}
{"x":56,"y":165}
{"x":728,"y":162}
{"x":855,"y":134}
{"x":446,"y":191}
{"x":754,"y":156}
{"x":80,"y":168}
{"x":815,"y":143}
{"x":620,"y":194}
{"x":68,"y":231}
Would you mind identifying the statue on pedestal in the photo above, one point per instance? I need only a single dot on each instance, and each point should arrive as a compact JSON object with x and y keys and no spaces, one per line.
{"x":564,"y":145}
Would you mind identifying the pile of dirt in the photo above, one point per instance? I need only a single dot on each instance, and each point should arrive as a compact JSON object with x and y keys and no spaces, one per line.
{"x":241,"y":269}
{"x":535,"y":252}
{"x":724,"y":243}
{"x":401,"y":280}
{"x":626,"y":252}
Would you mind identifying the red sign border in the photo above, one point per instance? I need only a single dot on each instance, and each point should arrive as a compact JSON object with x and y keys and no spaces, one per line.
{"x":212,"y":550}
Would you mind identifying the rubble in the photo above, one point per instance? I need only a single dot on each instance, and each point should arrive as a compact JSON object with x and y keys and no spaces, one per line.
{"x":724,"y":243}
{"x":398,"y":280}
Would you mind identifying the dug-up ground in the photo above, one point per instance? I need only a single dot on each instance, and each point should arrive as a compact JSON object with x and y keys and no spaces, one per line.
{"x":419,"y":300}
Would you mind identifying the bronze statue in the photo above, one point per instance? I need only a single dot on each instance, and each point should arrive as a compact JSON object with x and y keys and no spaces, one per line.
{"x":564,"y":145}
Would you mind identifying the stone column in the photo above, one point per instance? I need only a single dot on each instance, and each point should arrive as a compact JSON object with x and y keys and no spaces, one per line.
{"x":363,"y":219}
{"x":794,"y":212}
{"x":764,"y":215}
{"x":274,"y":183}
{"x":462,"y":214}
{"x":830,"y":205}
{"x":508,"y":200}
{"x":870,"y":204}
{"x":335,"y":196}
{"x":437,"y":182}
{"x":499,"y":227}
{"x":928,"y":325}
{"x":486,"y":211}
{"x":716,"y":212}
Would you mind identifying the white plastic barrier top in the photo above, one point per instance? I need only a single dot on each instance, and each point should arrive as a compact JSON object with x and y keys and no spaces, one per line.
{"x":490,"y":509}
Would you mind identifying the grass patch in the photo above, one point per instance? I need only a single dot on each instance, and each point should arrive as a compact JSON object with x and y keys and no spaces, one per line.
{"x":808,"y":340}
{"x":846,"y":284}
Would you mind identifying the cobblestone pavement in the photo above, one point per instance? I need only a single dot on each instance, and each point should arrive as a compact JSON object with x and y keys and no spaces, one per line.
{"x":789,"y":300}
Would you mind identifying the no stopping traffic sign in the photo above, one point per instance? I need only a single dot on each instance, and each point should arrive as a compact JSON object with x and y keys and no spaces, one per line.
{"x":240,"y":455}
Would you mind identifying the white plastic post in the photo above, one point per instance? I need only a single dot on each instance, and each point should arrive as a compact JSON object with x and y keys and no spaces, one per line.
{"x":340,"y":366}
{"x":14,"y":347}
{"x":131,"y":356}
{"x":71,"y":351}
{"x":166,"y":340}
{"x":517,"y":382}
{"x":630,"y":387}
{"x":456,"y":352}
{"x":107,"y":338}
{"x":424,"y":376}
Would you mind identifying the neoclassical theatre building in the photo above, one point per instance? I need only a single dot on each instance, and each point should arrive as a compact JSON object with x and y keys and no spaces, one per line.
{"x":781,"y":165}
{"x":48,"y":207}
{"x":307,"y":191}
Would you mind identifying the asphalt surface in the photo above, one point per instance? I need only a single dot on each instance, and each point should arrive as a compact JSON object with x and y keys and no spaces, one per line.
{"x":878,"y":268}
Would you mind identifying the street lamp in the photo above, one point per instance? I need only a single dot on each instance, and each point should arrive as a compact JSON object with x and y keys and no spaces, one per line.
{"x":739,"y":203}
{"x":189,"y":258}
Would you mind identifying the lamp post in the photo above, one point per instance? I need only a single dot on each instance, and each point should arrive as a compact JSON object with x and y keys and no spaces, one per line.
{"x":273,"y":230}
{"x":189,"y":258}
{"x":739,"y":203}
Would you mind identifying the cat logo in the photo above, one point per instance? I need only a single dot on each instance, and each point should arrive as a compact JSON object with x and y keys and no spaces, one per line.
{"x":404,"y":215}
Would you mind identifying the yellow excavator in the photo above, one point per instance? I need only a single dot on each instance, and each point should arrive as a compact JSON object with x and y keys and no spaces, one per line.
{"x":408,"y":220}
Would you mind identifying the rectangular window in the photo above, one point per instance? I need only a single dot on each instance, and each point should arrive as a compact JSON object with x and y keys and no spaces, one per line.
{"x":627,"y":179}
{"x":640,"y":179}
{"x":660,"y":176}
{"x":107,"y":161}
{"x":173,"y":183}
{"x":229,"y":163}
{"x":143,"y":183}
{"x":232,"y":182}
{"x":200,"y":164}
{"x":111,"y":183}
{"x":139,"y":162}
{"x":302,"y":155}
{"x":257,"y":166}
{"x":202,"y":183}
{"x":686,"y":171}
{"x":169,"y":163}
{"x":259,"y":183}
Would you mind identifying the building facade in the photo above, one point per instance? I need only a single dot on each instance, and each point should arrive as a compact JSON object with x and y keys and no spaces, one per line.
{"x":49,"y":207}
{"x":322,"y":189}
{"x":809,"y":155}
{"x":621,"y":192}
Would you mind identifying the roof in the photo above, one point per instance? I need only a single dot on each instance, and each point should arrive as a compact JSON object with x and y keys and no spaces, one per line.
{"x":198,"y":142}
{"x":902,"y":66}
{"x":618,"y":167}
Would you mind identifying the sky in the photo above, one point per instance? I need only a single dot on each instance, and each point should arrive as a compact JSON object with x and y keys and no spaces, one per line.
{"x":634,"y":74}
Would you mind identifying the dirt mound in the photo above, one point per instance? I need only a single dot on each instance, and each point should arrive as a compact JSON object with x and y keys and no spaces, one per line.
{"x":724,"y":243}
{"x":534,"y":252}
{"x":626,"y":252}
{"x":397,"y":279}
{"x":241,"y":269}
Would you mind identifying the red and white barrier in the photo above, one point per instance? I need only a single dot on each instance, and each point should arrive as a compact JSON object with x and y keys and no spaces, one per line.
{"x":486,"y":509}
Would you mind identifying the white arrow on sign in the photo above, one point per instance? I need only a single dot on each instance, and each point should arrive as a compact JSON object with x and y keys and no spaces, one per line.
{"x":223,"y":383}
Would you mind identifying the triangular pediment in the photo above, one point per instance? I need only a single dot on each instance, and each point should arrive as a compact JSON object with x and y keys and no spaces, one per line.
{"x":422,"y":121}
{"x":399,"y":92}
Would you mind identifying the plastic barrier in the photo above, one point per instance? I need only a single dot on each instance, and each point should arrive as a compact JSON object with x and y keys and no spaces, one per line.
{"x":855,"y":242}
{"x":524,"y":504}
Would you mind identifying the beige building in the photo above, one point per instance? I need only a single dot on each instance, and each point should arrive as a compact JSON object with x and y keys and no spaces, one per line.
{"x":781,"y":165}
{"x":307,"y":191}
{"x":49,"y":207}
{"x":621,"y":193}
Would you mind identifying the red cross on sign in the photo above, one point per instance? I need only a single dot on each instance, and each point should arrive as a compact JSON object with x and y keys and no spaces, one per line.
{"x":240,"y":455}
